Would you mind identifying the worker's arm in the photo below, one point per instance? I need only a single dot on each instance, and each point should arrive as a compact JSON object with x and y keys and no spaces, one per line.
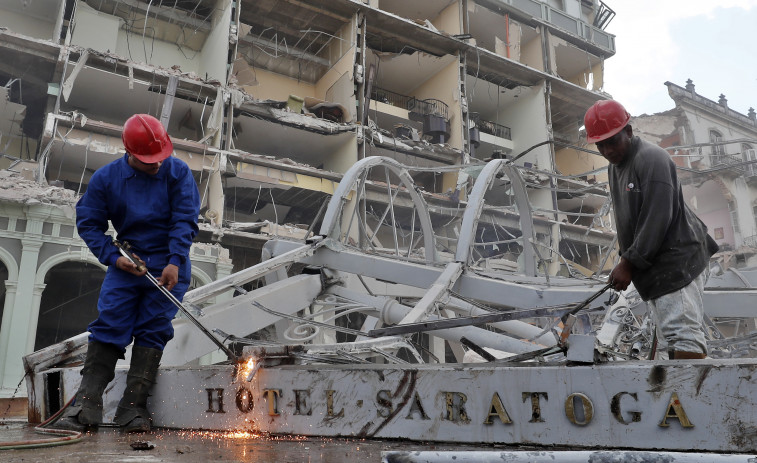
{"x":92,"y":221}
{"x":657,"y":177}
{"x":185,"y":207}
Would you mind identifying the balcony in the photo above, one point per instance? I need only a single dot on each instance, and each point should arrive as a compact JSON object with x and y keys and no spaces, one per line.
{"x":750,"y":241}
{"x":490,"y":127}
{"x":734,"y":163}
{"x":488,"y":137}
{"x":430,"y":116}
{"x":429,"y":107}
{"x":391,"y":98}
{"x":569,"y":23}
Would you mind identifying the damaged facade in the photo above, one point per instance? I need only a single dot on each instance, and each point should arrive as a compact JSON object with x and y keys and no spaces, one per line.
{"x":715,"y":149}
{"x":270,"y":102}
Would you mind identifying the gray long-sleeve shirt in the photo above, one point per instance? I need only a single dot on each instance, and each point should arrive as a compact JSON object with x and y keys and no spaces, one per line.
{"x":665,"y":241}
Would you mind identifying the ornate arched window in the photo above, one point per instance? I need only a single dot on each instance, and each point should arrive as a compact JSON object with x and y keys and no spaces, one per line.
{"x":69,"y":301}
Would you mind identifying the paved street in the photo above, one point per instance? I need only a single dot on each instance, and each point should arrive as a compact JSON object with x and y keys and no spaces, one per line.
{"x":110,"y":446}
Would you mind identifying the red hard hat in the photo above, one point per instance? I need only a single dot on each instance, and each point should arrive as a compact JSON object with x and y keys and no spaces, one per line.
{"x":146,"y":138}
{"x":604,"y":119}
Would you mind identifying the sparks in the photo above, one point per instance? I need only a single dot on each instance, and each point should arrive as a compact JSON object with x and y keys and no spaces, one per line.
{"x":247,"y":368}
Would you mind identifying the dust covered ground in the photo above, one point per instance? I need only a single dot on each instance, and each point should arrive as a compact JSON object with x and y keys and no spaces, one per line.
{"x":109,"y":445}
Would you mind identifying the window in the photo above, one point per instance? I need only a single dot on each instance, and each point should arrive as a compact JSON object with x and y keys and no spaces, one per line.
{"x":717,"y":155}
{"x":68,"y":303}
{"x":734,"y":217}
{"x":749,"y":154}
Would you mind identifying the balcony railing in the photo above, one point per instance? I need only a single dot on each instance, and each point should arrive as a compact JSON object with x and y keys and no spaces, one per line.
{"x":727,"y":160}
{"x":490,"y":127}
{"x":390,"y":98}
{"x":426,"y":107}
{"x":750,"y":241}
{"x":429,"y":107}
{"x":575,"y":26}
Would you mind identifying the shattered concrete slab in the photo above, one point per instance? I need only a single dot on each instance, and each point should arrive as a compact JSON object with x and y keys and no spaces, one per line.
{"x":15,"y":188}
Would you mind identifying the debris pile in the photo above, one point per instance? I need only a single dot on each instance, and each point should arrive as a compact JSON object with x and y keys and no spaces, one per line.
{"x":15,"y":188}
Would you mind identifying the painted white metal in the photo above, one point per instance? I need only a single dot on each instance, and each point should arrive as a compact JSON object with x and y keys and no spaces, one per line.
{"x":476,"y":204}
{"x":538,"y":456}
{"x":702,"y":405}
{"x":435,"y":292}
{"x":485,"y":289}
{"x":331,"y":219}
{"x":392,"y":312}
{"x":239,"y":317}
{"x":296,"y":252}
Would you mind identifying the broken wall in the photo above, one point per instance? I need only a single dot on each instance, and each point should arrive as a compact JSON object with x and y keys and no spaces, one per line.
{"x":342,"y":158}
{"x":12,"y":139}
{"x":216,"y":47}
{"x":531,"y":50}
{"x":573,"y":162}
{"x":574,"y":65}
{"x":156,"y":52}
{"x":94,"y":29}
{"x":445,"y":86}
{"x":338,"y":84}
{"x":22,"y":23}
{"x":598,"y":74}
{"x":155,"y":41}
{"x":448,"y":19}
{"x":526,"y":118}
{"x":272,"y":86}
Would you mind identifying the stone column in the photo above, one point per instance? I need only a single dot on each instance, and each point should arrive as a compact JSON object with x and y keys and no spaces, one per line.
{"x":22,"y":322}
{"x":6,"y":388}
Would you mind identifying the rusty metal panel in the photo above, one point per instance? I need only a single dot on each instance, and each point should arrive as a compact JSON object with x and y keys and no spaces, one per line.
{"x":702,"y":405}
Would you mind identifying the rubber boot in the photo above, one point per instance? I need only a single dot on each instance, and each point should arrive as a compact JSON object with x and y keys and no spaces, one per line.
{"x":683,"y":355}
{"x":132,"y":413}
{"x":86,"y":411}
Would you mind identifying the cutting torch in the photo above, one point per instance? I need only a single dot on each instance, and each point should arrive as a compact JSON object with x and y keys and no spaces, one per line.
{"x":125,"y":250}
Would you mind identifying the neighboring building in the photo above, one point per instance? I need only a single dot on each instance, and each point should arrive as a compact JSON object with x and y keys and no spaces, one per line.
{"x":715,"y":148}
{"x":270,"y":102}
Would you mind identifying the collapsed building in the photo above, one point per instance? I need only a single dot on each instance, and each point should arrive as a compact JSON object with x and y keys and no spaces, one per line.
{"x":386,"y":187}
{"x":270,"y":102}
{"x":715,"y":148}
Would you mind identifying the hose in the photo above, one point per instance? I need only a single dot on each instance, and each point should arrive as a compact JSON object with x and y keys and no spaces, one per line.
{"x":65,"y":436}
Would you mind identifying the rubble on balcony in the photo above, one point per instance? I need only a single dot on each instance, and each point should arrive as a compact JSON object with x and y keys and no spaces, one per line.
{"x":18,"y":188}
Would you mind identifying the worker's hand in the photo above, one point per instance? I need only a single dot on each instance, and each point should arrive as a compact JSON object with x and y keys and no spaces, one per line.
{"x":620,"y":277}
{"x":169,"y":277}
{"x":123,"y":263}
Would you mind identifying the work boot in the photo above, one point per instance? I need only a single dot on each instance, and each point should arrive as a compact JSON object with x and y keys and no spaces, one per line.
{"x":132,"y":411}
{"x":86,"y":411}
{"x":683,"y":355}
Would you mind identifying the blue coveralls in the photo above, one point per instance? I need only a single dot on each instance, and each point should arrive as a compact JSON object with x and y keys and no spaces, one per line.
{"x":157,"y":216}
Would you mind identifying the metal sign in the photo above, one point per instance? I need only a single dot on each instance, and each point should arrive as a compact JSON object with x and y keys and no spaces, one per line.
{"x":705,"y":405}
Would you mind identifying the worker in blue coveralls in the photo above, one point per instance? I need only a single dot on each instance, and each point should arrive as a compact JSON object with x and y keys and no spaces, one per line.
{"x":152,"y":201}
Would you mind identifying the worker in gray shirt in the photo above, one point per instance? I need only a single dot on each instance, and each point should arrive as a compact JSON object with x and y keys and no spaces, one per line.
{"x":664,"y":247}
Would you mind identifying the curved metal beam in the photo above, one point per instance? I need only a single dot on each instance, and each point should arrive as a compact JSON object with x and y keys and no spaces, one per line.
{"x":472,"y":212}
{"x":331,"y":219}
